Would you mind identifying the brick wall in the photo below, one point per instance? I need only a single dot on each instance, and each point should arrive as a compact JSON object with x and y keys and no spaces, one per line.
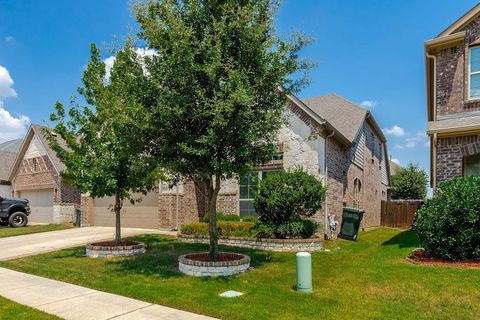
{"x":450,"y":154}
{"x":452,"y":75}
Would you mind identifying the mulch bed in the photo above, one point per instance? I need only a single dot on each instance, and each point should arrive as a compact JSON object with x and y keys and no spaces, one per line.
{"x":419,"y":256}
{"x":222,"y":256}
{"x":113,"y":244}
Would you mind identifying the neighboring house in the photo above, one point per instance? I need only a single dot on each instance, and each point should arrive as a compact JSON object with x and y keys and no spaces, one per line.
{"x":453,"y":99}
{"x":331,"y":138}
{"x":8,"y":152}
{"x":35,"y":175}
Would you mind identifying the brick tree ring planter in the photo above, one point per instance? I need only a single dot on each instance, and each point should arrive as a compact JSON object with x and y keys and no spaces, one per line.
{"x":197,"y":264}
{"x":108,"y":249}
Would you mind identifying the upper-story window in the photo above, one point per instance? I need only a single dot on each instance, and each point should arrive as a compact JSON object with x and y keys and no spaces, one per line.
{"x":475,"y":72}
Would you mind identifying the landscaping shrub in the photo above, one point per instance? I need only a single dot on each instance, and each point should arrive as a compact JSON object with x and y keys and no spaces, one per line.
{"x":225,"y":229}
{"x":285,"y":198}
{"x":448,"y":225}
{"x":250,"y":219}
{"x":231,"y":217}
{"x":220,"y":216}
{"x":198,"y":228}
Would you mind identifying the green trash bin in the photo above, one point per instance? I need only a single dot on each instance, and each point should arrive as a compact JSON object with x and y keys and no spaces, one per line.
{"x":351,"y":223}
{"x":78,"y":218}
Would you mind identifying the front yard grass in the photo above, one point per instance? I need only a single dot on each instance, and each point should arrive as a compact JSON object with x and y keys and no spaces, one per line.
{"x":10,"y":232}
{"x":10,"y":310}
{"x":368,"y":279}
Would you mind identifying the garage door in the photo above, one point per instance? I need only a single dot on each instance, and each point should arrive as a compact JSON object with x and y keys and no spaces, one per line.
{"x":41,"y":205}
{"x":144,"y":214}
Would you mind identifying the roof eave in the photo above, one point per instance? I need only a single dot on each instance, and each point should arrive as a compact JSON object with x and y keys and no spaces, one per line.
{"x":321,"y":121}
{"x":446,"y":41}
{"x":465,"y":19}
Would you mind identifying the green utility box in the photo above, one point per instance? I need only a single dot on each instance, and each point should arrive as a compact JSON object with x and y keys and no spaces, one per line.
{"x":304,"y":272}
{"x":351,"y":223}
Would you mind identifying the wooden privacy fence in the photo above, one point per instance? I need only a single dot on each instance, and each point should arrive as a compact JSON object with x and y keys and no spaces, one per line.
{"x":399,"y":213}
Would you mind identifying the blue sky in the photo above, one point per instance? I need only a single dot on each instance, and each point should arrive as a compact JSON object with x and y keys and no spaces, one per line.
{"x":369,"y":51}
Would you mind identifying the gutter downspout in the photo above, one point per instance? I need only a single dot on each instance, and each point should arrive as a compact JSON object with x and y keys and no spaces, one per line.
{"x":433,"y":170}
{"x":325,"y":183}
{"x":434,"y":161}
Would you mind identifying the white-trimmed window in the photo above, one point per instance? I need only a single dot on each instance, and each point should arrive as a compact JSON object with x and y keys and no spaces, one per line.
{"x":474,"y":83}
{"x":248,"y":188}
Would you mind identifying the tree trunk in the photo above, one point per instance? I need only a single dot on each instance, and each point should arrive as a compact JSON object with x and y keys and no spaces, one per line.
{"x":212,"y":213}
{"x":118,"y":230}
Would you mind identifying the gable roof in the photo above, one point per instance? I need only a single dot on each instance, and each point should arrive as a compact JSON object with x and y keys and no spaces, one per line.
{"x":341,"y":113}
{"x":461,"y":22}
{"x":344,"y":115}
{"x":36,"y":130}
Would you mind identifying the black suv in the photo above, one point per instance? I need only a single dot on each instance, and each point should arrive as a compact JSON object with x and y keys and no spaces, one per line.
{"x":14,"y":212}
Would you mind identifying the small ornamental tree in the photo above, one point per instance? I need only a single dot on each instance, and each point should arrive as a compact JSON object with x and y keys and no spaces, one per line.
{"x":101,"y":144}
{"x":409,"y":183}
{"x":285,"y":198}
{"x":216,"y":78}
{"x":448,"y":225}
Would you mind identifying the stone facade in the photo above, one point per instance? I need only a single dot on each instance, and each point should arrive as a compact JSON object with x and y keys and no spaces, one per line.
{"x":198,"y":268}
{"x":278,"y":245}
{"x":451,"y":152}
{"x":304,"y":143}
{"x":98,"y":250}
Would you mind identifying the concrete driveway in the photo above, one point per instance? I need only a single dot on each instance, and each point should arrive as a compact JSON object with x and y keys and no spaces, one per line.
{"x":32,"y":244}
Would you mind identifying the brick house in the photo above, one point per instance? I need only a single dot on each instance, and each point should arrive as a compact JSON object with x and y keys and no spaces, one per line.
{"x":331,"y":138}
{"x":452,"y":62}
{"x":35,"y":175}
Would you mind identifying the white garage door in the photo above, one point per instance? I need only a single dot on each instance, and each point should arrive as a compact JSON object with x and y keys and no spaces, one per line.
{"x":144,"y":214}
{"x":41,"y":205}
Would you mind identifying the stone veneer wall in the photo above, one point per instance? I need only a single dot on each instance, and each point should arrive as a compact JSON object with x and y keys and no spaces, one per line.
{"x":279,"y":245}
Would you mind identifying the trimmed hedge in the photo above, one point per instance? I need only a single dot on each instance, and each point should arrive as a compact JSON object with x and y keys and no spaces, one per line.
{"x":225,"y":229}
{"x":448,"y":225}
{"x":222,"y":217}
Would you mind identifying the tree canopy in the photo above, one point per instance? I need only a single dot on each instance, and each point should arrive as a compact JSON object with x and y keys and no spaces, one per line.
{"x":409,"y":183}
{"x":101,"y":141}
{"x":216,"y":107}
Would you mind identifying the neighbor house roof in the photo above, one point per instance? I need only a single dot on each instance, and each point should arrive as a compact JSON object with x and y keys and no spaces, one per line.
{"x":8,"y":152}
{"x":394,"y":167}
{"x":37,"y":130}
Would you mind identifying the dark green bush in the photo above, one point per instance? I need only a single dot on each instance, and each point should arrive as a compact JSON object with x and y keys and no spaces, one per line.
{"x":225,"y":229}
{"x":448,"y":225}
{"x":262,"y":230}
{"x":250,"y":219}
{"x":297,"y":228}
{"x":284,"y":198}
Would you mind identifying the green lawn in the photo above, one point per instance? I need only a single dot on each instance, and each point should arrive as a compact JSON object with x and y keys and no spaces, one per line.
{"x":10,"y":232}
{"x":368,"y":279}
{"x":11,"y":311}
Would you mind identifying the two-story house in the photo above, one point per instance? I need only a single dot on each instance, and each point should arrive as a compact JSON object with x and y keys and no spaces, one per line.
{"x":453,"y":99}
{"x":328,"y":136}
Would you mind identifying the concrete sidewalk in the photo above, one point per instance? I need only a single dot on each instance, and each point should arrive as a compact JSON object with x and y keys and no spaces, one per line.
{"x":73,"y":302}
{"x":36,"y":243}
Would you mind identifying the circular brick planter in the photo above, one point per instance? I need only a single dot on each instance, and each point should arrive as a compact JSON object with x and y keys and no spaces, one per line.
{"x":195,"y":264}
{"x":110,"y":250}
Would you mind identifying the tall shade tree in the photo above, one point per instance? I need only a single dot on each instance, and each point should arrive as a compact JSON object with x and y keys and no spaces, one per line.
{"x":102,"y":141}
{"x":409,"y":183}
{"x":215,"y":78}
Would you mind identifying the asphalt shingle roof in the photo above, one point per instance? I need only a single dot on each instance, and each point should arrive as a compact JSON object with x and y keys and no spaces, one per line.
{"x":344,"y":115}
{"x":8,"y":153}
